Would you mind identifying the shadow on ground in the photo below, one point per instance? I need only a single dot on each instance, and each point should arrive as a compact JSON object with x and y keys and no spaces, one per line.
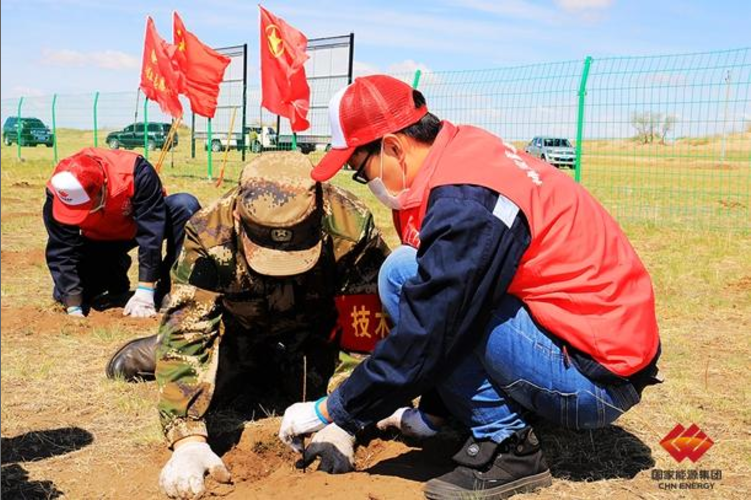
{"x":31,"y":447}
{"x":596,"y":455}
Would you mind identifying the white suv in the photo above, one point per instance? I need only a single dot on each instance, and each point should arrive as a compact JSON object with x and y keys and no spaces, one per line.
{"x":555,"y":150}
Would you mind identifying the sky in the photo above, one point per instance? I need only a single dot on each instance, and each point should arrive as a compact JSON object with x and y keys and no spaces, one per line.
{"x":79,"y":46}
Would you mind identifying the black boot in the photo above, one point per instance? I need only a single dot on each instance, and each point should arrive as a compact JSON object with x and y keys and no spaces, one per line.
{"x":110,"y":300}
{"x":135,"y":360}
{"x":488,"y":470}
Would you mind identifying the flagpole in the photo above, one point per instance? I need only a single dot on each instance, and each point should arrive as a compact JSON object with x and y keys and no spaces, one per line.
{"x":229,"y":144}
{"x":145,"y":127}
{"x":138,"y":94}
{"x":294,"y":139}
{"x":168,"y":143}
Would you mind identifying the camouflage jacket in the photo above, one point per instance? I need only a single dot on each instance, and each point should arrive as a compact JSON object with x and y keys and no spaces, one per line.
{"x":213,"y":285}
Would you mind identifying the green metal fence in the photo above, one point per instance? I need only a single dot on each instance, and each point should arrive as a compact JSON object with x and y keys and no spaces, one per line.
{"x":668,"y":138}
{"x":664,"y":140}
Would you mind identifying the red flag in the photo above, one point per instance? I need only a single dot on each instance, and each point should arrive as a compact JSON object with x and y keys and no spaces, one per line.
{"x":202,"y":66}
{"x":160,"y":79}
{"x":284,"y":89}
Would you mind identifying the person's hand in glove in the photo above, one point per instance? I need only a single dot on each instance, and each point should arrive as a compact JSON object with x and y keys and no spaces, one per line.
{"x":141,"y":304}
{"x":336,"y":449}
{"x":182,"y":476}
{"x":299,"y":420}
{"x":75,"y":311}
{"x":411,"y":423}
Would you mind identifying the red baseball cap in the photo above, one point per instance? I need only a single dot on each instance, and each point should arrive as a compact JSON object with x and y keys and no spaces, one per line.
{"x":76,"y":182}
{"x":362,"y":112}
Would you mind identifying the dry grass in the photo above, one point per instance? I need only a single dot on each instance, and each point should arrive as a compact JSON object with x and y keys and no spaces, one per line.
{"x":52,"y":368}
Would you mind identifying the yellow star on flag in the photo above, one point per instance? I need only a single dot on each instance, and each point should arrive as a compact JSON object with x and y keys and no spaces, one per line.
{"x":275,"y":43}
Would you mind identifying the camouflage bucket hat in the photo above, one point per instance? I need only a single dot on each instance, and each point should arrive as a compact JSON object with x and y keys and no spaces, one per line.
{"x":280,"y":209}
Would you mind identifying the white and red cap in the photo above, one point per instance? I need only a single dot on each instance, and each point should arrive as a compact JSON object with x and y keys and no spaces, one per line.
{"x":362,"y":112}
{"x":76,"y":182}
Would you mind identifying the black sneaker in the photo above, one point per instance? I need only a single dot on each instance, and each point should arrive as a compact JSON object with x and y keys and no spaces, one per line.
{"x":488,"y":470}
{"x":110,"y":300}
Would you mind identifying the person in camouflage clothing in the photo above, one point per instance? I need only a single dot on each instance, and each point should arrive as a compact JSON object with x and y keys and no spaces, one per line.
{"x":254,"y":288}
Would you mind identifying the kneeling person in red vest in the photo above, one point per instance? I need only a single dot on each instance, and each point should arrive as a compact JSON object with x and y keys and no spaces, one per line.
{"x":514,"y":292}
{"x":101,"y":204}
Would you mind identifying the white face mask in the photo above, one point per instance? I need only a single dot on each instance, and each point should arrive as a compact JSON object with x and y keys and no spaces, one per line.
{"x":380,"y":191}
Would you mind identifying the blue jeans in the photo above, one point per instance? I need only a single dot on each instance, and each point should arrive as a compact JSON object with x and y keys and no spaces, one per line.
{"x":517,"y":367}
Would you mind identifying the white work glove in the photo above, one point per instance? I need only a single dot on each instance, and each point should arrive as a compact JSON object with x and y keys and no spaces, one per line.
{"x":182,"y":476}
{"x":75,"y":311}
{"x":336,"y":449}
{"x":299,"y":420}
{"x":141,"y":304}
{"x":411,"y":423}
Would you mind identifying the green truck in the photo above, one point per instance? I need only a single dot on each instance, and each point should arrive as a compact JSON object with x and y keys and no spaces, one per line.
{"x":132,"y":136}
{"x":27,"y":131}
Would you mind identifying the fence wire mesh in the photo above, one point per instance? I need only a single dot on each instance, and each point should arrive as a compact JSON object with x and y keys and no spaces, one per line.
{"x":669,"y":138}
{"x":664,"y":140}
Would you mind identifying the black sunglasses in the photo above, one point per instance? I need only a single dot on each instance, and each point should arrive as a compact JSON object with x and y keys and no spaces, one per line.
{"x":358,"y":175}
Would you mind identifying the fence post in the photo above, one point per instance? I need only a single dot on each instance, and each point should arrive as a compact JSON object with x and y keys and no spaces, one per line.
{"x":96,"y":133}
{"x":580,"y":118}
{"x":54,"y":127}
{"x":193,"y":135}
{"x":18,"y":128}
{"x":416,"y":80}
{"x":145,"y":127}
{"x":245,"y":100}
{"x":210,"y":145}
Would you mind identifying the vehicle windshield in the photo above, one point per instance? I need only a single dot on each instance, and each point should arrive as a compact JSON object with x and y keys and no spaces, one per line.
{"x":557,"y":143}
{"x":35,"y":123}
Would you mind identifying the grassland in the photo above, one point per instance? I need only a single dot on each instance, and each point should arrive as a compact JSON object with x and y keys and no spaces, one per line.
{"x":73,"y":433}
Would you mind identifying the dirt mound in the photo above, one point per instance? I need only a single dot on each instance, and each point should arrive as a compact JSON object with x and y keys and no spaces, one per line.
{"x":263,"y":467}
{"x":49,"y":320}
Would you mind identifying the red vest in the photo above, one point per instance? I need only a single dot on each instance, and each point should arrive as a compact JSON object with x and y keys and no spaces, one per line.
{"x":580,"y":278}
{"x":115,"y":222}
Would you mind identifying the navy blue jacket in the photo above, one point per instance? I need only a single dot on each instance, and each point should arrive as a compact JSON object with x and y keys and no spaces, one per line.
{"x":467,"y":258}
{"x":65,"y":243}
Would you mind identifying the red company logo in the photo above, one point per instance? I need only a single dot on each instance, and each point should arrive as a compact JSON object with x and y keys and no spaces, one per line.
{"x":689,"y":443}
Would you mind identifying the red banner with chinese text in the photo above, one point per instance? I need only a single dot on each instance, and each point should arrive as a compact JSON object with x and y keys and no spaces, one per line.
{"x":160,"y":78}
{"x":362,"y":322}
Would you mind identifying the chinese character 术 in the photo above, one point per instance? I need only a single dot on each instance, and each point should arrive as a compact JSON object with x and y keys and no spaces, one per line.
{"x":383,"y":327}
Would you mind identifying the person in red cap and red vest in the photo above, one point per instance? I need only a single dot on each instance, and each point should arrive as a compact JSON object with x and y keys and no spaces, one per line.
{"x":100,"y":204}
{"x":515,"y":292}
